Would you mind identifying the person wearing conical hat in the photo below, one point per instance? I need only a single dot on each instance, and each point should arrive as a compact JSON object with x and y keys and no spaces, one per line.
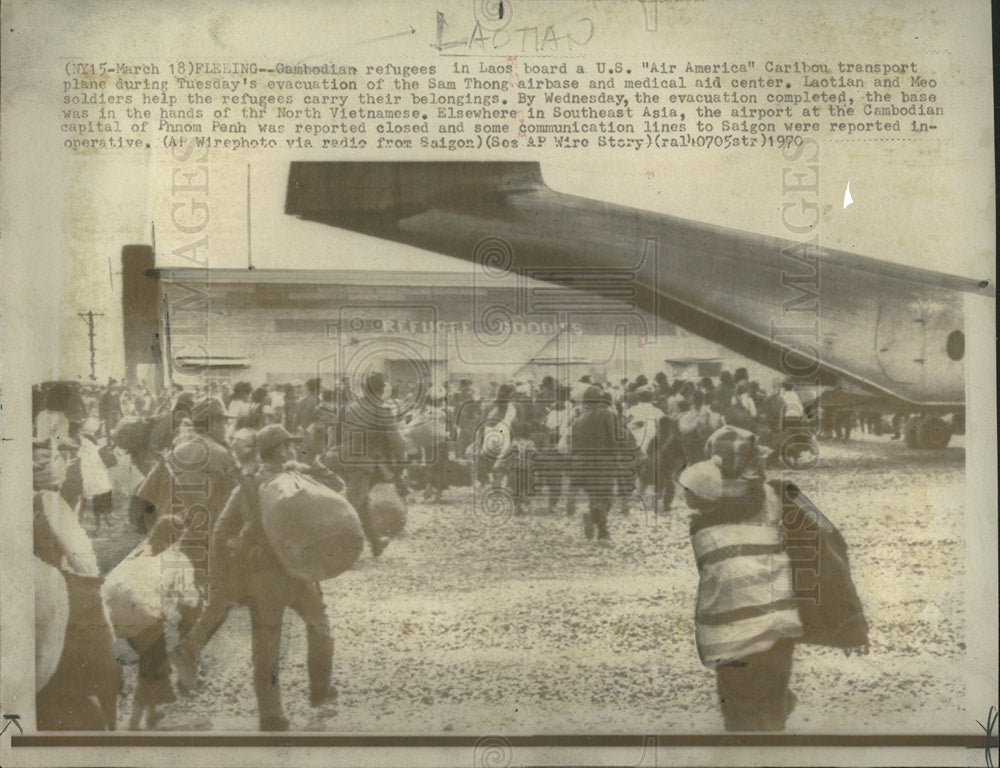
{"x":746,"y":617}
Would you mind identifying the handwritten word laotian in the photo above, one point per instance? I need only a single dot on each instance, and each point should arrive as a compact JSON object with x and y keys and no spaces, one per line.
{"x":526,"y":38}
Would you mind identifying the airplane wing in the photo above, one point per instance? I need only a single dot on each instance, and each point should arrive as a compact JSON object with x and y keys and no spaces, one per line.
{"x":831,"y":317}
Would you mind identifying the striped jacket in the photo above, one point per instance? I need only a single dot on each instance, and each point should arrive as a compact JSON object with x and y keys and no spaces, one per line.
{"x":745,"y":596}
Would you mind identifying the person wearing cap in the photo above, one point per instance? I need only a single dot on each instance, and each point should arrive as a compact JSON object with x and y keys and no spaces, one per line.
{"x":226,"y":575}
{"x":746,"y":619}
{"x":255,"y":576}
{"x":598,"y":451}
{"x":187,"y":490}
{"x":371,"y":447}
{"x":202,"y":473}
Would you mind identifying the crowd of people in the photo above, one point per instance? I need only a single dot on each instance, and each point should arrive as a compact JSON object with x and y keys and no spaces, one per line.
{"x":516,"y":435}
{"x":204,"y":454}
{"x":203,"y":462}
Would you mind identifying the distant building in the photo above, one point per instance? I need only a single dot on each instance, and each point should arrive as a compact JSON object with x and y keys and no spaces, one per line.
{"x":415,"y":327}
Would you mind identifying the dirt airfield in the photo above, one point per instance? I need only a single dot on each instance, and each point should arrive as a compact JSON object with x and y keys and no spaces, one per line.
{"x":472,"y":623}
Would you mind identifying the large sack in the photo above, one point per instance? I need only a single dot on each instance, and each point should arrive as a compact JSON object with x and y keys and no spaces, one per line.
{"x":386,"y":509}
{"x":829,"y":607}
{"x":51,"y":620}
{"x":60,"y":540}
{"x":313,"y":530}
{"x":145,"y":589}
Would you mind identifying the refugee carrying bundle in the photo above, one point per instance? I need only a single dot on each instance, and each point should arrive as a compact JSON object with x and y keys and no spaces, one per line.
{"x":386,"y":509}
{"x":313,"y":530}
{"x":828,"y":603}
{"x":144,"y":589}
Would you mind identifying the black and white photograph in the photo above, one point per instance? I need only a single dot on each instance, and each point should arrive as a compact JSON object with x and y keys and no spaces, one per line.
{"x":499,"y":383}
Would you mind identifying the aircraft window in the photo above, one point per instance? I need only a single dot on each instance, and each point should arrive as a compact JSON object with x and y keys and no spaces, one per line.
{"x":955,"y":346}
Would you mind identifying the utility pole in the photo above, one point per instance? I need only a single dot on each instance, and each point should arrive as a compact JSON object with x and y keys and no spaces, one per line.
{"x":88,"y":317}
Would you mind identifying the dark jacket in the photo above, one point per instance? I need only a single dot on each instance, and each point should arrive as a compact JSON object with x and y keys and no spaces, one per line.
{"x":601,"y":452}
{"x":370,"y":435}
{"x":596,"y":429}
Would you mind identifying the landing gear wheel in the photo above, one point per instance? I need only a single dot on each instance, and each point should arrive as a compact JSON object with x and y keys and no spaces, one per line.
{"x":933,"y":432}
{"x":927,"y":432}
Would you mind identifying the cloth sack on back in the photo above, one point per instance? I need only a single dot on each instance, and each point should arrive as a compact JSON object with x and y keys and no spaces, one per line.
{"x":59,"y":538}
{"x":313,"y":530}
